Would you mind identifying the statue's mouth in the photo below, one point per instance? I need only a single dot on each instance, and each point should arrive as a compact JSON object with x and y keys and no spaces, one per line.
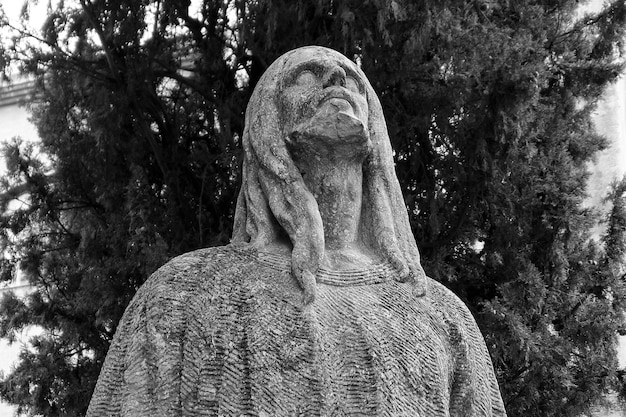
{"x":337,"y":101}
{"x":339,"y":97}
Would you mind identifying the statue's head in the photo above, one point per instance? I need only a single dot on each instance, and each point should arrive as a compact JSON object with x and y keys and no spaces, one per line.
{"x":287,"y":124}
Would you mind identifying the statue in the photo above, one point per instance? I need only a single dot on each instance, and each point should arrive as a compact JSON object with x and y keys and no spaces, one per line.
{"x":319,"y":306}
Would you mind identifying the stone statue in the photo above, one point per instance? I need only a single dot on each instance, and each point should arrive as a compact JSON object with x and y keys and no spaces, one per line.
{"x":319,"y":306}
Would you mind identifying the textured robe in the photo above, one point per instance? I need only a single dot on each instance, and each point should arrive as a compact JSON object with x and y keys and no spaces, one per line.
{"x":223,"y":332}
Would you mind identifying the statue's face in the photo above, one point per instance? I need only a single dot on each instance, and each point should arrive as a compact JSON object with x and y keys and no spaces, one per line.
{"x":323,"y":102}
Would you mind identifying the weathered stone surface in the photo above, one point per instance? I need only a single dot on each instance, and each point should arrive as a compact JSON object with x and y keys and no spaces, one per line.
{"x":319,"y":306}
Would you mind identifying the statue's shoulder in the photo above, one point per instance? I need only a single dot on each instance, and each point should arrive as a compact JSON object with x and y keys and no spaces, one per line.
{"x":196,"y":270}
{"x":454,"y":309}
{"x":475,"y":386}
{"x":201,"y":259}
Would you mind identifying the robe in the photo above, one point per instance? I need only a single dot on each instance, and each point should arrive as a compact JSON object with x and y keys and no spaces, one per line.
{"x":223,"y":332}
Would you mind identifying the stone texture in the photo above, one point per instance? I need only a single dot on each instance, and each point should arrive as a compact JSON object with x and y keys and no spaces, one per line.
{"x":319,"y":307}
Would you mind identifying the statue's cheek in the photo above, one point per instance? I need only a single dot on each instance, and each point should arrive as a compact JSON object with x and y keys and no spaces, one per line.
{"x":298,"y":103}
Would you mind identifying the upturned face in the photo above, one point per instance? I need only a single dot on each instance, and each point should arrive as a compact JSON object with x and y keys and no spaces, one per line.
{"x":323,"y":104}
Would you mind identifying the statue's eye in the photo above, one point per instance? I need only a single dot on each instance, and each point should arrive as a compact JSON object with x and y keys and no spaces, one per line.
{"x":353,"y":85}
{"x":306,"y":78}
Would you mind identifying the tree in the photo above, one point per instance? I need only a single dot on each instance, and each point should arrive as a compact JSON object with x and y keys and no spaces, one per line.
{"x":488,"y":103}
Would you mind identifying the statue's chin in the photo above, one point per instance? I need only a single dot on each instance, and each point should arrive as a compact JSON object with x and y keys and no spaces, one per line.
{"x":333,"y":127}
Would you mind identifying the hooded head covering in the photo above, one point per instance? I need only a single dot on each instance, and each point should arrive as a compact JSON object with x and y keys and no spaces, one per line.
{"x":274,"y":197}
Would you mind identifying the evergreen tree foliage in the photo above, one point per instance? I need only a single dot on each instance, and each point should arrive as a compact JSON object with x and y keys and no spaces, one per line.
{"x":140,"y":108}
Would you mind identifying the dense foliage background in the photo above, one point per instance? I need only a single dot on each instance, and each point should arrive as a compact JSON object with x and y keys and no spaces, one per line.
{"x":140,"y":111}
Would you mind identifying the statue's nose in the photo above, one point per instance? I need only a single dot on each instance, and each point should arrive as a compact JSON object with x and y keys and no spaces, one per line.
{"x":335,"y":76}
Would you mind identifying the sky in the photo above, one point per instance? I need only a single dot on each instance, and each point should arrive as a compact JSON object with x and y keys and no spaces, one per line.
{"x":13,"y":7}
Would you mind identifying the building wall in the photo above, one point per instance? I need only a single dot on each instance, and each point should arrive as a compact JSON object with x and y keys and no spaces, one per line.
{"x":14,"y":121}
{"x":610,"y":164}
{"x":14,"y":117}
